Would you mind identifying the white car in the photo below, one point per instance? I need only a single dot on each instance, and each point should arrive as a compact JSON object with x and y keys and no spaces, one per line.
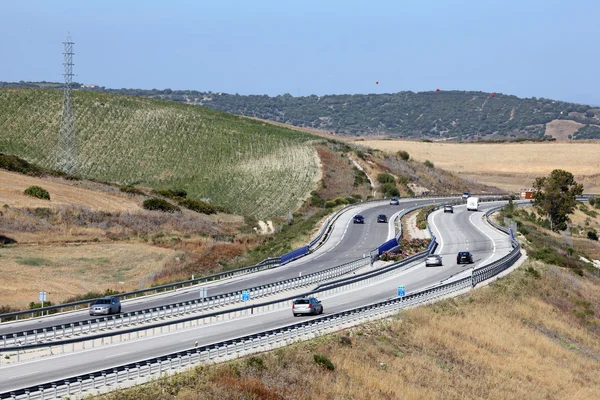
{"x":433,"y":259}
{"x":394,"y":202}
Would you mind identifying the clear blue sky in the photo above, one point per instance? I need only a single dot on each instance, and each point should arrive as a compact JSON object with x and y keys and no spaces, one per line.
{"x":542,"y":48}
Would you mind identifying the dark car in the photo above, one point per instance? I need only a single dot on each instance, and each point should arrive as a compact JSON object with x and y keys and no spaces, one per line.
{"x":381,"y":218}
{"x":359,"y":219}
{"x":464,"y":257}
{"x":106,"y":306}
{"x":448,"y":208}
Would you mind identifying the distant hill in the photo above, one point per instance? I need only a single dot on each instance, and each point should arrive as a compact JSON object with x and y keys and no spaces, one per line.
{"x":248,"y":166}
{"x":444,"y":115}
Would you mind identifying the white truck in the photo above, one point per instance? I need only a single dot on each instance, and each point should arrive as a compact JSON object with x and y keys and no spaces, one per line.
{"x":473,"y":204}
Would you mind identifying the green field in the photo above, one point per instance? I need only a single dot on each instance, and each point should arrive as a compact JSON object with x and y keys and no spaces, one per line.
{"x":248,"y":166}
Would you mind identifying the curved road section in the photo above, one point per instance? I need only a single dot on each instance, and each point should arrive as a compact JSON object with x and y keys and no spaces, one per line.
{"x":347,"y":242}
{"x":453,"y":231}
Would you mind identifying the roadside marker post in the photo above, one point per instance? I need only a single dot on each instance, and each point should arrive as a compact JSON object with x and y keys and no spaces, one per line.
{"x":42,"y":299}
{"x":203,"y":295}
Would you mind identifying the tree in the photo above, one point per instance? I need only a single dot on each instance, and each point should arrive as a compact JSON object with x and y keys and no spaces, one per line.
{"x":554,"y":196}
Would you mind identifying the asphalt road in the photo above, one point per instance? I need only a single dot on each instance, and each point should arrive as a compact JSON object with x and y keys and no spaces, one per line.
{"x":455,"y":232}
{"x":347,"y":242}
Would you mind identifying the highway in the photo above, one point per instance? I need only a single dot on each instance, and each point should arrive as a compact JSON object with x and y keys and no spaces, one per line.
{"x":455,"y":232}
{"x":347,"y":242}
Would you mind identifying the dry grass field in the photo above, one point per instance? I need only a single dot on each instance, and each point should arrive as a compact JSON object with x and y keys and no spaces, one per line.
{"x":509,"y":166}
{"x":516,"y":339}
{"x":13,"y":184}
{"x":65,"y":271}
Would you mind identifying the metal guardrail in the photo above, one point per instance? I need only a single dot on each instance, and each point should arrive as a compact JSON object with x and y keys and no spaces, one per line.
{"x":58,"y":347}
{"x":265,"y":264}
{"x":173,"y":310}
{"x":33,"y":336}
{"x":265,"y":339}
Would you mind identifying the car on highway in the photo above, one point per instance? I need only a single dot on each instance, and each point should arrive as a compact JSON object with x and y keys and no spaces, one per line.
{"x":359,"y":219}
{"x":307,"y":305}
{"x":448,"y":208}
{"x":466,"y":195}
{"x":394,"y":202}
{"x":464,"y":257}
{"x":382,"y":218}
{"x":105,"y":306}
{"x":433,"y":259}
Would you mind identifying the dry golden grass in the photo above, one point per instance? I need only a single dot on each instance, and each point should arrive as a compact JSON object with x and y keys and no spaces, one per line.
{"x":561,"y":129}
{"x":522,"y":338}
{"x":510,"y":166}
{"x":65,"y":271}
{"x":13,"y":184}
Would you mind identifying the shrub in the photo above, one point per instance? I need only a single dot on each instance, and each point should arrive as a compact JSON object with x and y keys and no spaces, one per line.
{"x":533,"y":272}
{"x":256,"y":363}
{"x":390,"y":190}
{"x":340,"y":200}
{"x":346,"y":340}
{"x":200,"y":206}
{"x":592,"y":201}
{"x":155,"y":204}
{"x":404,"y":155}
{"x":330,"y":204}
{"x":36,"y":191}
{"x":171,"y":193}
{"x":385,"y":178}
{"x":316,"y":201}
{"x":403,"y":180}
{"x":360,"y":154}
{"x":351,"y":200}
{"x":323,"y":361}
{"x":592,"y":235}
{"x":429,"y":164}
{"x":131,"y":190}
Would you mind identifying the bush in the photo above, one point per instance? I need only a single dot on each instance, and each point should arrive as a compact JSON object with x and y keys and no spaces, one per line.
{"x":155,"y":204}
{"x":256,"y":363}
{"x":403,"y":180}
{"x":345,"y":340}
{"x":330,"y":204}
{"x":390,"y":190}
{"x":36,"y":191}
{"x":385,"y":178}
{"x":429,"y":164}
{"x":200,"y":206}
{"x":351,"y":200}
{"x":404,"y":155}
{"x":340,"y":200}
{"x":316,"y":201}
{"x":592,"y":201}
{"x":171,"y":193}
{"x":131,"y":190}
{"x":592,"y":235}
{"x":323,"y":361}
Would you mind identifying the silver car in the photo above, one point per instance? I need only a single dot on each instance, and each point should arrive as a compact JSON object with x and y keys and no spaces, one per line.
{"x":106,"y":306}
{"x":433,"y":259}
{"x":394,"y":202}
{"x":306,"y":305}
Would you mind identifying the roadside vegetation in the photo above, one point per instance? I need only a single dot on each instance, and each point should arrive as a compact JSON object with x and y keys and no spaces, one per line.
{"x":533,"y":335}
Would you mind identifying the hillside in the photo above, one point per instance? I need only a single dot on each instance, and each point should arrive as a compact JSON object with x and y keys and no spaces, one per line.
{"x":248,"y":166}
{"x":443,"y":115}
{"x":510,"y":166}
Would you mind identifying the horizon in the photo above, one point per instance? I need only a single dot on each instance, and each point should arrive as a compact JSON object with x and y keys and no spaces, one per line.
{"x":538,"y":49}
{"x":308,"y":95}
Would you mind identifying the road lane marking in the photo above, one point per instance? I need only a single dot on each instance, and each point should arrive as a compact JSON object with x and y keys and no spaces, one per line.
{"x":489,"y":237}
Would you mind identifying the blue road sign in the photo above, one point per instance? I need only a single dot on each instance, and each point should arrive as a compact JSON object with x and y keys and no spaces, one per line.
{"x":245,"y":295}
{"x":401,"y":291}
{"x":512,"y":236}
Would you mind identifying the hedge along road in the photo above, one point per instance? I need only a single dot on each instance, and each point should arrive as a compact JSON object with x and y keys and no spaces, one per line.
{"x":346,"y":242}
{"x":417,"y":277}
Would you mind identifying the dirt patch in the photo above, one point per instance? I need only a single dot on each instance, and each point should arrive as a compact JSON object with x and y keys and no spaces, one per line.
{"x":561,"y":129}
{"x":13,"y":184}
{"x":65,"y":271}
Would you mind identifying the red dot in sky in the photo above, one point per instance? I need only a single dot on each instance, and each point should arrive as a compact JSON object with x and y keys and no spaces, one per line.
{"x":493,"y":95}
{"x":377,"y":83}
{"x":437,"y":90}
